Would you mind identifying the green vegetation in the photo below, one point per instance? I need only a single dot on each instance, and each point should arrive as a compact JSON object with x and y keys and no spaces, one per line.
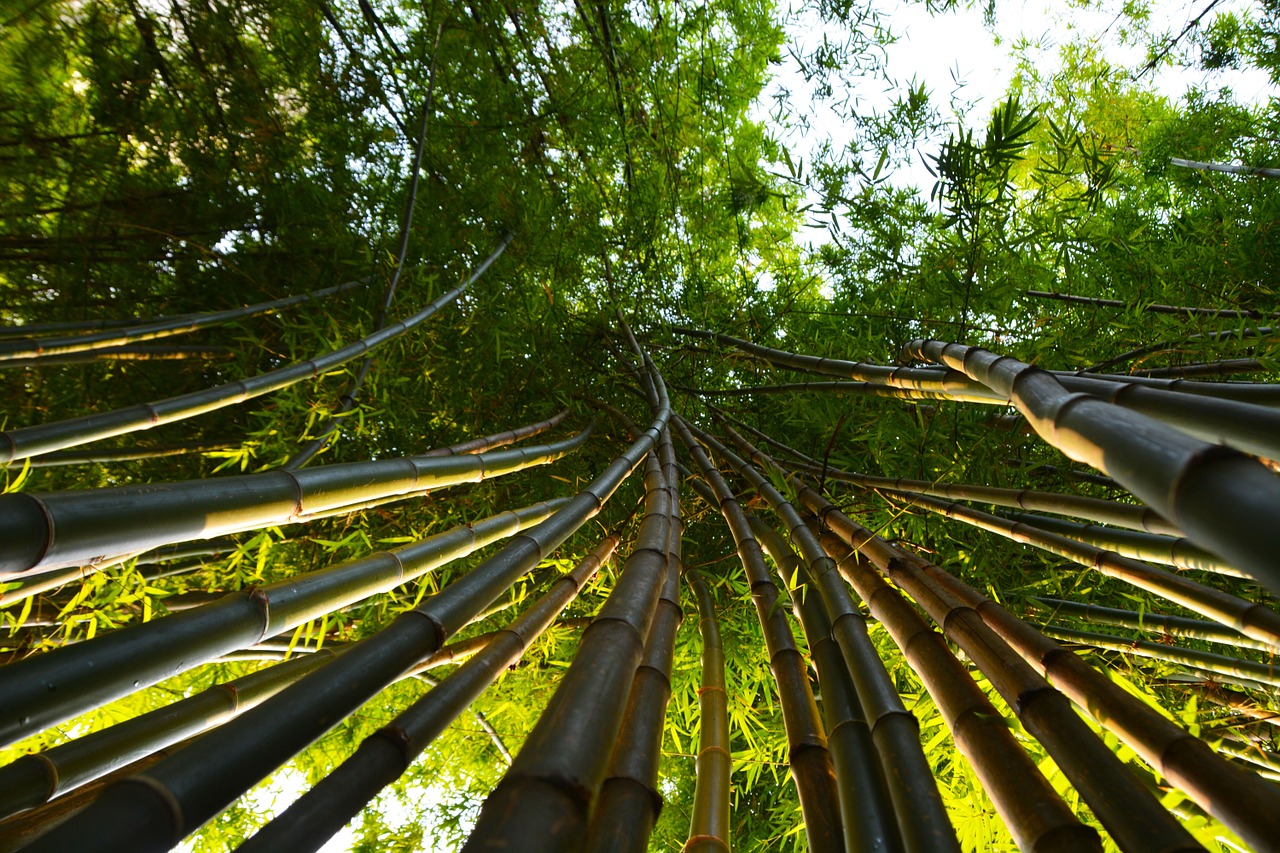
{"x":402,"y":255}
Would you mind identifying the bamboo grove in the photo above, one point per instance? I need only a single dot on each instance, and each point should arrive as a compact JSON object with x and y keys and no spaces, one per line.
{"x":424,"y":429}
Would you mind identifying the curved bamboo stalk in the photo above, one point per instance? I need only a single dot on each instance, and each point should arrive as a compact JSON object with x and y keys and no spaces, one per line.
{"x":1176,"y":626}
{"x":44,"y":690}
{"x":44,"y":347}
{"x":629,"y":802}
{"x":383,"y":756}
{"x":1252,"y":620}
{"x":57,"y":529}
{"x":1262,"y":673}
{"x":36,"y":779}
{"x":127,"y":353}
{"x":812,"y":769}
{"x":1238,"y":798}
{"x":1124,"y":805}
{"x":25,"y":442}
{"x":922,"y":818}
{"x":1154,"y":548}
{"x":865,"y":803}
{"x":1036,"y":816}
{"x":1223,"y":500}
{"x":179,"y":794}
{"x":709,"y":824}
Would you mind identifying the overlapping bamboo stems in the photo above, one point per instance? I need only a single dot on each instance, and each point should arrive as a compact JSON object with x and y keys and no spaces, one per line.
{"x":25,"y":442}
{"x":49,"y":346}
{"x":629,"y":801}
{"x":1262,"y":673}
{"x":709,"y":822}
{"x":866,"y":806}
{"x":1036,"y":816}
{"x":130,"y":353}
{"x":46,"y":689}
{"x":1153,"y":547}
{"x":37,"y":778}
{"x":181,"y":793}
{"x":386,"y":754}
{"x":1238,"y":798}
{"x":917,"y":803}
{"x":80,"y":457}
{"x":1120,"y":800}
{"x":1222,"y":499}
{"x":1175,"y":626}
{"x":1159,"y":346}
{"x":71,"y":528}
{"x":807,"y":753}
{"x":1252,"y":620}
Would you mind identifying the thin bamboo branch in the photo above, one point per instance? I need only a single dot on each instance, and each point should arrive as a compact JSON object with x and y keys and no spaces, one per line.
{"x":1226,"y":367}
{"x":1152,"y":307}
{"x":1175,"y":626}
{"x":1229,"y":168}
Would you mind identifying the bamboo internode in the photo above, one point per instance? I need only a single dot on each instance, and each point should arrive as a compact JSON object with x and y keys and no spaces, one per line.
{"x":1175,"y":626}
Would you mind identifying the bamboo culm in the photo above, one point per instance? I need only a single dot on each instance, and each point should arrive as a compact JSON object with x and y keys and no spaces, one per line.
{"x":25,"y":442}
{"x":1155,"y":548}
{"x":709,"y":823}
{"x":383,"y":756}
{"x":179,"y":794}
{"x":1175,"y":626}
{"x":61,"y":529}
{"x":44,"y":690}
{"x":130,"y":353}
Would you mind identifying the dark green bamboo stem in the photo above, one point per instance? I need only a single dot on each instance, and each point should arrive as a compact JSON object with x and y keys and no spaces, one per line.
{"x":1175,"y":626}
{"x":865,"y":803}
{"x":1135,"y":819}
{"x":1228,"y":168}
{"x":41,"y":691}
{"x":1036,"y":816}
{"x":1242,"y":801}
{"x":1252,"y":620}
{"x":80,"y":457}
{"x":1226,"y":367}
{"x":129,"y":353}
{"x":72,"y":528}
{"x":25,"y":442}
{"x":43,"y":347}
{"x":629,"y":802}
{"x":1262,"y":673}
{"x":709,"y":824}
{"x":922,"y":818}
{"x":383,"y":756}
{"x":853,"y":388}
{"x":511,"y":436}
{"x":1225,"y":501}
{"x":180,"y":794}
{"x":1152,"y":307}
{"x":811,"y":764}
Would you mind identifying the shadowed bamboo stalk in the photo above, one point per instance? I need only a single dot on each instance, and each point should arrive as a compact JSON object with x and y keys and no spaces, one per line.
{"x":1236,"y":700}
{"x":865,"y":803}
{"x":1036,"y":816}
{"x":921,"y":816}
{"x":1152,"y":547}
{"x":1237,"y":334}
{"x":44,"y":690}
{"x":79,"y":457}
{"x":860,"y":389}
{"x":511,"y":436}
{"x":1225,"y":367}
{"x":49,"y":346}
{"x":129,"y":353}
{"x":176,"y":796}
{"x":25,"y":442}
{"x":1262,"y":673}
{"x":1135,"y":819}
{"x":629,"y":802}
{"x":709,"y":824}
{"x":811,"y":765}
{"x":58,"y":529}
{"x":1252,"y":620}
{"x":1176,"y":626}
{"x":386,"y":754}
{"x":1248,"y":805}
{"x":1222,"y":499}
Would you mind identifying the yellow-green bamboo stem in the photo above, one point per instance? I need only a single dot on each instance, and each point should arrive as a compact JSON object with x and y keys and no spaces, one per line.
{"x":1153,"y":547}
{"x":709,"y":824}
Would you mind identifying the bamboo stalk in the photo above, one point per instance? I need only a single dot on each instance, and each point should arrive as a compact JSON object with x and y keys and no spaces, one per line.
{"x":386,"y":754}
{"x":812,"y":769}
{"x":1237,"y":701}
{"x":1152,"y":547}
{"x":1036,"y":816}
{"x":1239,"y":333}
{"x":78,"y":457}
{"x":865,"y":803}
{"x":861,"y":389}
{"x":511,"y":436}
{"x":1224,"y":500}
{"x":25,"y":442}
{"x":44,"y":690}
{"x":1135,"y":819}
{"x":1152,"y":307}
{"x":126,"y":353}
{"x":181,"y":793}
{"x":709,"y":823}
{"x":629,"y":802}
{"x":1252,"y":620}
{"x":44,"y":347}
{"x":1176,"y":626}
{"x":1225,"y":367}
{"x":1261,"y":673}
{"x":1229,"y":168}
{"x":70,"y":528}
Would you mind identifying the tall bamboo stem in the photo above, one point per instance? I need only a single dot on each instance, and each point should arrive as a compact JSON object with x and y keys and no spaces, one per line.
{"x":1176,"y":626}
{"x":709,"y":824}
